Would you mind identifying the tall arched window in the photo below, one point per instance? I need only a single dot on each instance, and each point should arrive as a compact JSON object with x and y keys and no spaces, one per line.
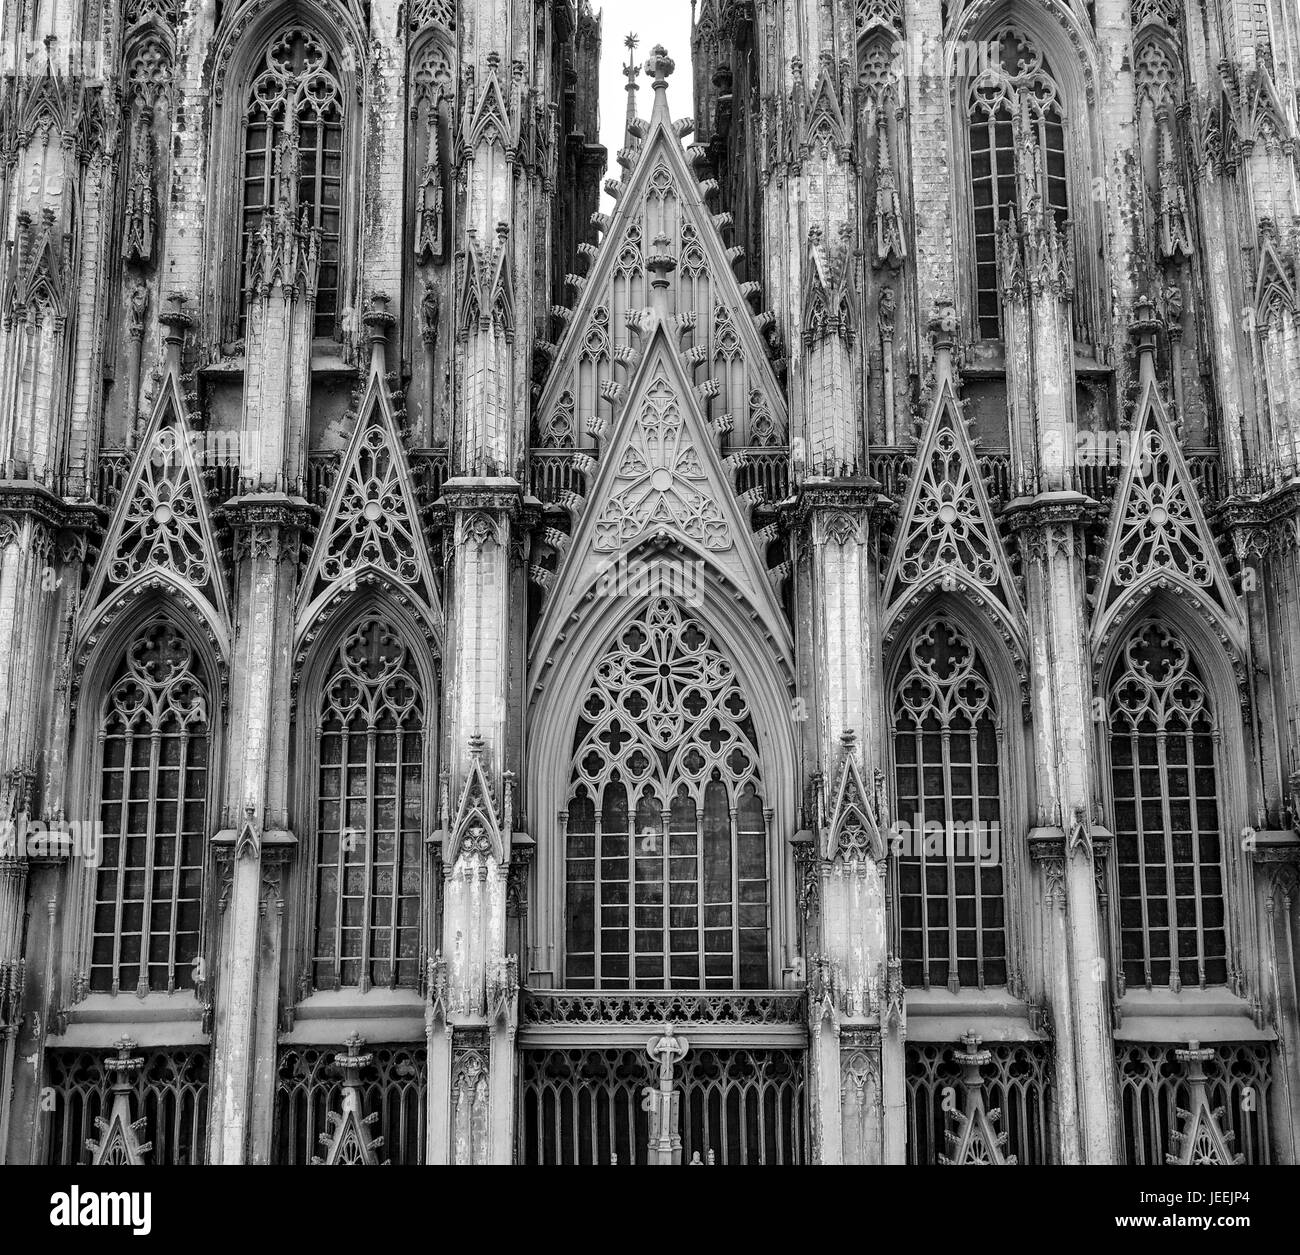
{"x":293,"y":133}
{"x":1017,"y":150}
{"x":948,"y":779}
{"x":154,"y":749}
{"x":666,"y":835}
{"x":1164,"y":770}
{"x":369,"y":815}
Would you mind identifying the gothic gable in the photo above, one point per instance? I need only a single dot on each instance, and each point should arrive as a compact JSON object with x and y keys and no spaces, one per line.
{"x":852,"y":832}
{"x":371,"y":531}
{"x":1158,"y":537}
{"x":947,"y":538}
{"x":662,"y":237}
{"x":161,"y":528}
{"x":662,"y":501}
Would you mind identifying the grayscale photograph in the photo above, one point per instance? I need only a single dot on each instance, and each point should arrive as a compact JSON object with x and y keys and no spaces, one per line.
{"x":712,"y":583}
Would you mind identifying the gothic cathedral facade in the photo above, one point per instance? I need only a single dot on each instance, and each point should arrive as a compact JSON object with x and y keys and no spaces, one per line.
{"x":801,"y":667}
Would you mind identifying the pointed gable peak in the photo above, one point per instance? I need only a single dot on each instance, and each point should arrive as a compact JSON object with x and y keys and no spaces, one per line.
{"x":1158,"y":538}
{"x":948,"y":538}
{"x":660,"y":491}
{"x":853,"y":833}
{"x":371,"y":531}
{"x":662,"y":249}
{"x":161,"y":525}
{"x":477,"y":830}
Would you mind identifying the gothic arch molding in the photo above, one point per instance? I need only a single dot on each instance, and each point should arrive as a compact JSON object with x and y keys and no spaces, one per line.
{"x":106,"y":652}
{"x":1008,"y":675}
{"x":554,"y":703}
{"x":314,"y":666}
{"x":1221,"y":673}
{"x":1069,"y":49}
{"x":237,"y":56}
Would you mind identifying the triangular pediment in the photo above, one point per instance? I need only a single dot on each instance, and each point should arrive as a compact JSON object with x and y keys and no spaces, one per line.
{"x":662,"y":227}
{"x":161,"y":527}
{"x":476,"y":829}
{"x":852,"y":832}
{"x":660,"y":488}
{"x":1158,"y":538}
{"x":371,"y":532}
{"x":947,"y":538}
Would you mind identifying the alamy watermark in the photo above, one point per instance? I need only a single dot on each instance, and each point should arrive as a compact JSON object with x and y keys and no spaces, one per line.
{"x":682,"y":579}
{"x":38,"y":838}
{"x":973,"y":840}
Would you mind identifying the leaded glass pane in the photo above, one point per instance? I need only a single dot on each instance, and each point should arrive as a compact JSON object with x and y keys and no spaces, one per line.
{"x":948,"y":781}
{"x":1164,"y":786}
{"x":369,"y":815}
{"x":295,"y":105}
{"x":153,"y":792}
{"x":666,"y":833}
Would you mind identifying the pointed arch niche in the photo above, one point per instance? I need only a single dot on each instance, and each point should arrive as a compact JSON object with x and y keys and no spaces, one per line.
{"x":146,"y":766}
{"x":290,"y":71}
{"x":957,"y":755}
{"x":1015,"y":67}
{"x":662,"y":770}
{"x":366,"y":756}
{"x":1173,"y":746}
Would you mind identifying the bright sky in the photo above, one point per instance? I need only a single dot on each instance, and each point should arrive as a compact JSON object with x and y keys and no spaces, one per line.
{"x":666,"y":22}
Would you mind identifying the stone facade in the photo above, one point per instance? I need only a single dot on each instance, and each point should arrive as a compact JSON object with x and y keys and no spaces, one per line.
{"x":802,"y":667}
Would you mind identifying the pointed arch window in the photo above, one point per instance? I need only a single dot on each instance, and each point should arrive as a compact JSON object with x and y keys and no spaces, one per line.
{"x":1165,"y":770}
{"x":1016,"y":129}
{"x":666,"y":829}
{"x":947,"y":740}
{"x":153,"y":775}
{"x":369,"y":780}
{"x":293,"y":150}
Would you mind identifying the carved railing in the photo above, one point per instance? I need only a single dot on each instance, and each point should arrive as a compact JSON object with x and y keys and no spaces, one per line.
{"x":223,"y":477}
{"x":766,"y":469}
{"x":1097,"y":476}
{"x":563,"y":1007}
{"x":1154,"y":1097}
{"x":169,"y":1093}
{"x":553,"y":471}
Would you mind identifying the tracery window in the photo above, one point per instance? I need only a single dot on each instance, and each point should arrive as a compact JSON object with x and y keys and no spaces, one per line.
{"x":1016,"y":126}
{"x":1164,"y":768}
{"x":153,"y":793}
{"x":948,"y":775}
{"x":293,"y":132}
{"x":666,"y":832}
{"x":369,"y":815}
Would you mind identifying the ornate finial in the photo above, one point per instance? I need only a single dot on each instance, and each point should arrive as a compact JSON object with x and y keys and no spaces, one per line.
{"x":175,"y":320}
{"x":476,"y":745}
{"x":1142,"y":328}
{"x":378,"y":320}
{"x":659,"y":65}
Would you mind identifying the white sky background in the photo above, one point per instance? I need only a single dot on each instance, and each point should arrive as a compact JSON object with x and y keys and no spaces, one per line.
{"x":666,"y":22}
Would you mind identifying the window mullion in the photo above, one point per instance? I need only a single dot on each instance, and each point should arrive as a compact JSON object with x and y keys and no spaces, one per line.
{"x":367,"y":901}
{"x":922,"y":806}
{"x":151,"y":824}
{"x":128,"y":777}
{"x":183,"y":751}
{"x":1139,"y":820}
{"x":1171,"y":897}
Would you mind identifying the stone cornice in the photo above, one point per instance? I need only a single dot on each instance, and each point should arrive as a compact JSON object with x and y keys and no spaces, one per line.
{"x":25,"y":497}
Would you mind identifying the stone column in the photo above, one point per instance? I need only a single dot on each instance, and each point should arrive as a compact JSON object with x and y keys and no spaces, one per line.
{"x":845,"y":940}
{"x":267,"y":519}
{"x":1036,"y":284}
